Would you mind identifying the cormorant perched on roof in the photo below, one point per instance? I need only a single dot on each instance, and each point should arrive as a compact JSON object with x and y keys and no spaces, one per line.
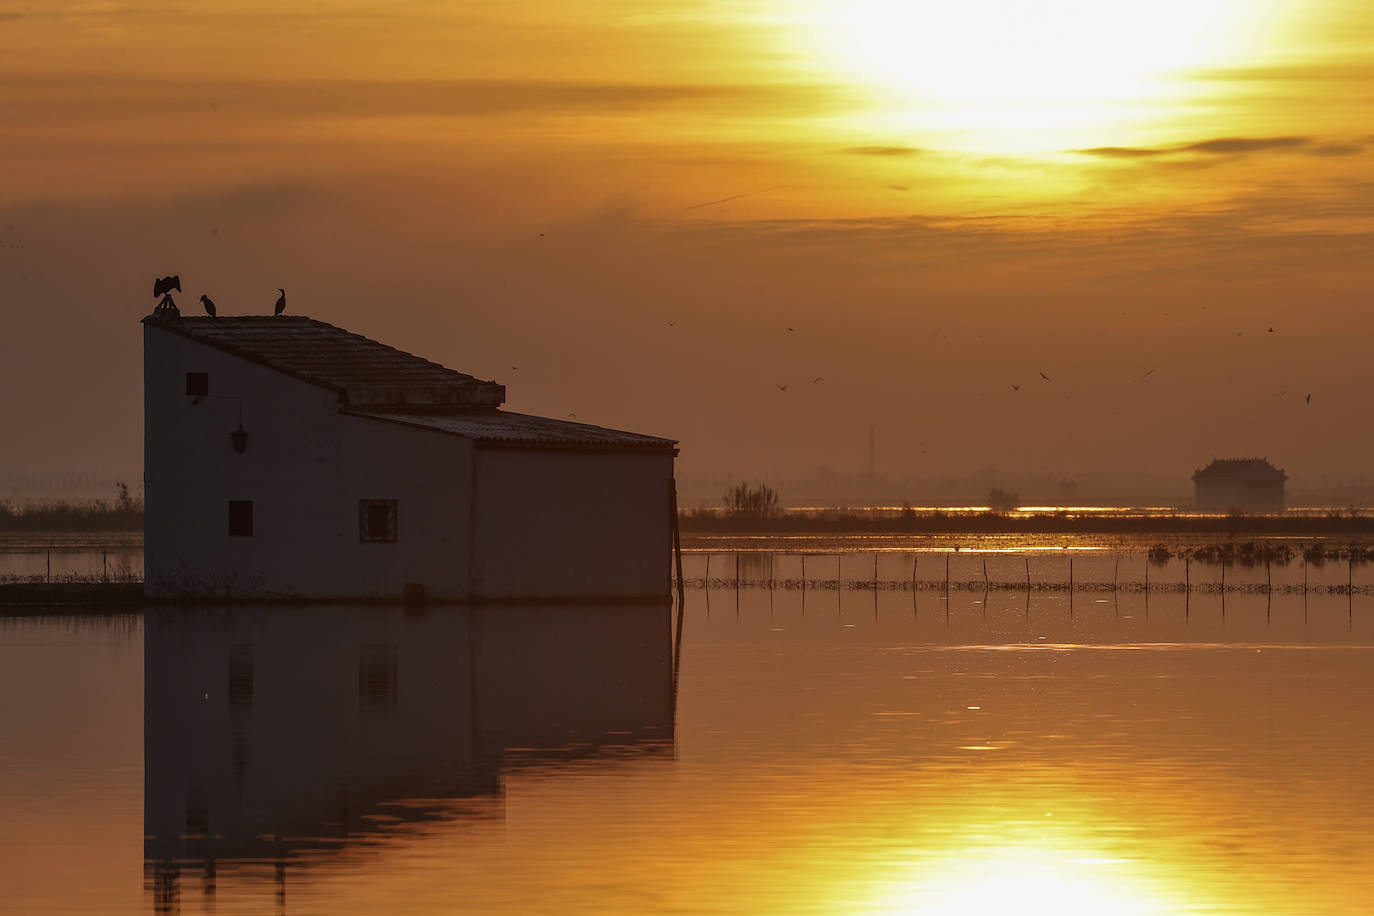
{"x":281,"y":302}
{"x":209,"y":305}
{"x":166,"y":284}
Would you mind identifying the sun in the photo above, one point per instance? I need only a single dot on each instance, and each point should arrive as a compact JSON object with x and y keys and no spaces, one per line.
{"x":985,"y":65}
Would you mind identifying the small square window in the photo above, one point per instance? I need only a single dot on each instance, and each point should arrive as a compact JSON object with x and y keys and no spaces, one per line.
{"x":377,"y":681}
{"x":197,"y":384}
{"x":241,"y":518}
{"x":377,"y":521}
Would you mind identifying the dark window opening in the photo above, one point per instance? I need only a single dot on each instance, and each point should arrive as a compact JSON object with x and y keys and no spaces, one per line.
{"x":197,"y":812}
{"x":240,"y":680}
{"x":241,"y":518}
{"x":377,"y":521}
{"x":377,"y":681}
{"x":197,"y":384}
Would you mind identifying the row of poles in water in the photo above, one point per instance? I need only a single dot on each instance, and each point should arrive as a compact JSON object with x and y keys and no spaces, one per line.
{"x":987,"y":584}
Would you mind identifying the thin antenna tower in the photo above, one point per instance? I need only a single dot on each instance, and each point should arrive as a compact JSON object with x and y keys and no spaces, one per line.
{"x":872,"y":449}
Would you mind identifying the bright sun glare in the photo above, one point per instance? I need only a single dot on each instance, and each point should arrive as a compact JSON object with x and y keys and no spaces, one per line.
{"x":1028,"y":888}
{"x":985,"y":65}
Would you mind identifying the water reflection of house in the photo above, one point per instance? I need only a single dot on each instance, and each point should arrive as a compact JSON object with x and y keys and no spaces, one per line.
{"x":286,"y":456}
{"x":274,"y":735}
{"x":1239,"y":484}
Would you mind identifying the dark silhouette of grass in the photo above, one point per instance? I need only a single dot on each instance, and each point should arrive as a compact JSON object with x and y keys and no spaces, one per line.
{"x":125,"y":513}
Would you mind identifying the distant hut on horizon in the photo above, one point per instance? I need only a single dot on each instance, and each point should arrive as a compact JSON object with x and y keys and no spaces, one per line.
{"x":1239,"y":485}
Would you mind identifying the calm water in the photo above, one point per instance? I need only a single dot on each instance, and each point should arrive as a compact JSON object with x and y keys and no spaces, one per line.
{"x":855,"y":751}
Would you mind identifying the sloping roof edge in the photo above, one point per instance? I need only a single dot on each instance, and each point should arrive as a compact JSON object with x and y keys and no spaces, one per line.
{"x":549,"y":434}
{"x":491,"y":393}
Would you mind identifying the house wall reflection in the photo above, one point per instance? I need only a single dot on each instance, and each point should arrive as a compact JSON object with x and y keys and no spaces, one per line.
{"x":272,"y":732}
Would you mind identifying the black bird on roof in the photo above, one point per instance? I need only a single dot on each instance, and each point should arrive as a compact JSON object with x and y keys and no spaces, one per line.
{"x":209,"y":305}
{"x":165,"y":285}
{"x":281,"y":302}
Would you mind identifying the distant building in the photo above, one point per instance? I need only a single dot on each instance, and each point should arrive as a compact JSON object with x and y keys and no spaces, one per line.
{"x":286,"y":457}
{"x":1239,"y":484}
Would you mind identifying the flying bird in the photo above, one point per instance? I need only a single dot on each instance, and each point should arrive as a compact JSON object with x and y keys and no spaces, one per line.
{"x":572,"y":416}
{"x":817,"y":379}
{"x":671,"y":323}
{"x":1146,"y":375}
{"x":166,"y":284}
{"x":209,"y":305}
{"x":1271,"y":330}
{"x":1309,"y":399}
{"x":1015,"y":387}
{"x":791,"y":329}
{"x":1046,"y":377}
{"x":281,"y":302}
{"x":782,"y":387}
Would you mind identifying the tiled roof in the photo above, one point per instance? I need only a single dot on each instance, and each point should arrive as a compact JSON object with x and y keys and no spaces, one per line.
{"x":363,"y":371}
{"x":1240,"y":467}
{"x":501,"y":427}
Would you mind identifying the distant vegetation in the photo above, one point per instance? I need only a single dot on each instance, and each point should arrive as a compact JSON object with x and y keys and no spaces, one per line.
{"x":124,"y":513}
{"x":910,"y":521}
{"x":753,"y":501}
{"x":1000,"y":500}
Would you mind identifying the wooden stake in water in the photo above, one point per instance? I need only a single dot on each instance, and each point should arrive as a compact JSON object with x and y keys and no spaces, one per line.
{"x":985,"y":579}
{"x":1027,"y":559}
{"x":946,"y":576}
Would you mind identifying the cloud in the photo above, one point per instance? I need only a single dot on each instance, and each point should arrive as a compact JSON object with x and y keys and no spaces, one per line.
{"x":892,"y":151}
{"x":1121,"y":152}
{"x":1226,"y":146}
{"x":35,"y":96}
{"x":1233,"y":145}
{"x":1229,"y":146}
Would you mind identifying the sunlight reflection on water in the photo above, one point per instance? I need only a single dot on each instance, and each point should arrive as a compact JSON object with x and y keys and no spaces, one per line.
{"x":828,"y":752}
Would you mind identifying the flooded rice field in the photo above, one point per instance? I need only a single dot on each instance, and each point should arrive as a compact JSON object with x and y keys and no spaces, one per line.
{"x":983,"y":749}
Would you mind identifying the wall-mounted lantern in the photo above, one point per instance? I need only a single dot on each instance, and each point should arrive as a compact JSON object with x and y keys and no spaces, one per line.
{"x":239,"y":438}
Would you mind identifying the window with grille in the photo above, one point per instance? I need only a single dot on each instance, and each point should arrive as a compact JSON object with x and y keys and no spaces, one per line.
{"x":377,"y":680}
{"x":377,"y":521}
{"x":241,"y":518}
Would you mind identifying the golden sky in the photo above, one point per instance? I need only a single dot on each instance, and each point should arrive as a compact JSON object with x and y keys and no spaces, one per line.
{"x":941,"y":199}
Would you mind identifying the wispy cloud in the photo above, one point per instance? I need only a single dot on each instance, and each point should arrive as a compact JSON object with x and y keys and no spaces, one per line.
{"x":1227,"y":146}
{"x":888,"y":151}
{"x":36,"y":95}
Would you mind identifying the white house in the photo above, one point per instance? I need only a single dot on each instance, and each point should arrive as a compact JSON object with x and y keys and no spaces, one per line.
{"x":285,"y":457}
